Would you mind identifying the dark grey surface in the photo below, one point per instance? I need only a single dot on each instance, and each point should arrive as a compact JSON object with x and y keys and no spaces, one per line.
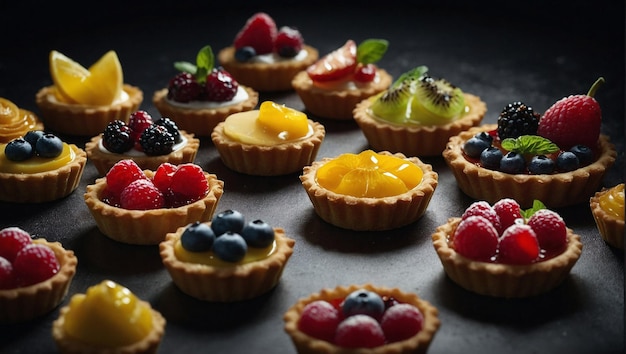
{"x":515,"y":52}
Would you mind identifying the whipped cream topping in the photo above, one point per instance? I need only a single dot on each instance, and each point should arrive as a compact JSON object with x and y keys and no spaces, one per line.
{"x":137,"y":153}
{"x":271,"y":58}
{"x":240,"y":96}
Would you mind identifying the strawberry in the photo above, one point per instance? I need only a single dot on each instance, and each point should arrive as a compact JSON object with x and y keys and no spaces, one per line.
{"x":34,"y":264}
{"x":518,"y":245}
{"x":336,"y":64}
{"x":142,"y":195}
{"x":476,"y":238}
{"x":573,"y":120}
{"x":259,"y":32}
{"x":550,"y":229}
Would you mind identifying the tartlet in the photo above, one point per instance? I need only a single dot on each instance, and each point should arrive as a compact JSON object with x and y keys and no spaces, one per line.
{"x":418,"y":343}
{"x":608,"y":219}
{"x":16,"y":121}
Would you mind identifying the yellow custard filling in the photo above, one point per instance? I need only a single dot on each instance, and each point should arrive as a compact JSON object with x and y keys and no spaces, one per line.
{"x":36,"y":164}
{"x":612,"y":201}
{"x":108,"y":315}
{"x":369,"y":175}
{"x":271,"y":124}
{"x":14,"y":121}
{"x":210,"y":259}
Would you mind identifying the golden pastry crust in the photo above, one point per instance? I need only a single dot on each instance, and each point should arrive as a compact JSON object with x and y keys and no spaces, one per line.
{"x":149,"y":227}
{"x":104,"y":161}
{"x":266,"y":77}
{"x":27,"y":303}
{"x":370,"y":214}
{"x":227,"y":284}
{"x":336,"y":104}
{"x":416,"y":140}
{"x":201,"y":122}
{"x":554,"y":190}
{"x":611,"y":228}
{"x":44,"y":186}
{"x":503,"y":280}
{"x":70,"y":345}
{"x":84,"y":120}
{"x":419,"y":343}
{"x":272,"y":160}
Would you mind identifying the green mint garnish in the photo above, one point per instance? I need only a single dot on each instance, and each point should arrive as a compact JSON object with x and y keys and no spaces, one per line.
{"x":530,"y":144}
{"x":414,"y":73}
{"x":205,"y":60}
{"x":371,"y":50}
{"x":537,"y":205}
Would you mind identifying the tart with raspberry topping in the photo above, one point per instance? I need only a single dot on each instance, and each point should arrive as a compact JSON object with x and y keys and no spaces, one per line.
{"x":361,"y":318}
{"x":607,"y":208}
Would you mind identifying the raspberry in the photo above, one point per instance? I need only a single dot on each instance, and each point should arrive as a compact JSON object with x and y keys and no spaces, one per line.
{"x":476,"y":238}
{"x":34,"y":264}
{"x":259,"y":32}
{"x":7,"y":276}
{"x":12,"y":240}
{"x":401,"y":321}
{"x":183,"y":88}
{"x":319,"y":319}
{"x":156,"y":140}
{"x":163,"y":176}
{"x":138,"y":122}
{"x":171,"y":127}
{"x":517,"y":119}
{"x":288,"y":42}
{"x":359,"y":331}
{"x":220,"y":86}
{"x":482,"y":208}
{"x":508,"y":211}
{"x":122,"y":174}
{"x":550,"y":229}
{"x":117,"y":137}
{"x":188,"y":184}
{"x":518,"y":245}
{"x":141,"y":195}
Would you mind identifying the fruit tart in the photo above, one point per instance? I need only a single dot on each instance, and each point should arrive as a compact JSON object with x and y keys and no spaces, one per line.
{"x":362,"y":319}
{"x":16,"y":121}
{"x":266,"y":57}
{"x":39,"y":167}
{"x":108,"y":318}
{"x":559,"y":158}
{"x":83,"y":101}
{"x":140,"y":207}
{"x":148,"y":142}
{"x":417,"y":114}
{"x":35,"y":275}
{"x":228,"y":259}
{"x":334,"y":84}
{"x":273,"y":140}
{"x":504,"y":251}
{"x":202,"y":95}
{"x":370,"y":191}
{"x":607,"y":208}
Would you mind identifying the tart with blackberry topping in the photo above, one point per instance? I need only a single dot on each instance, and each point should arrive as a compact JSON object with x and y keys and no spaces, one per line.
{"x":607,"y":208}
{"x":140,"y":207}
{"x":148,"y":142}
{"x":83,"y":101}
{"x":501,"y":250}
{"x":417,"y":114}
{"x":266,"y":57}
{"x":561,"y":162}
{"x":202,"y":95}
{"x":334,"y":84}
{"x":361,"y":318}
{"x":228,"y":259}
{"x":16,"y":121}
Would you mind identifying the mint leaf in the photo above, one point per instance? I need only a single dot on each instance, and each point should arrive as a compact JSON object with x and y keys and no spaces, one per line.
{"x":185,"y":67}
{"x":205,"y":62}
{"x":414,"y":73}
{"x":371,"y":50}
{"x":530,"y":144}
{"x":537,"y":205}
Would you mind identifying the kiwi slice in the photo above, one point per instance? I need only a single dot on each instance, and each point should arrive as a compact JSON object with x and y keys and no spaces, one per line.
{"x":391,"y":105}
{"x":436,"y":101}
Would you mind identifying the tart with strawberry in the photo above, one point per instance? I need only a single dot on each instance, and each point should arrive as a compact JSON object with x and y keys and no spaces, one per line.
{"x":147,"y":141}
{"x":35,"y":275}
{"x":137,"y":206}
{"x":607,"y":208}
{"x":502,"y":250}
{"x":227,"y":259}
{"x":266,"y":57}
{"x":370,"y":191}
{"x":203,"y":94}
{"x":273,"y":140}
{"x":333,"y":85}
{"x":16,"y":121}
{"x":362,"y":318}
{"x":559,"y":157}
{"x":418,"y":114}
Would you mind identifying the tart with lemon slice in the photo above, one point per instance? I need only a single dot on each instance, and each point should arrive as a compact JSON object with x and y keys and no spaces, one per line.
{"x":607,"y":208}
{"x":83,"y":101}
{"x":16,"y":121}
{"x":273,"y":140}
{"x":370,"y":191}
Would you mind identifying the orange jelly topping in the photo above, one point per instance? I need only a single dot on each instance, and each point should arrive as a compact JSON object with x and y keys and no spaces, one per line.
{"x":612,"y":201}
{"x":14,"y":121}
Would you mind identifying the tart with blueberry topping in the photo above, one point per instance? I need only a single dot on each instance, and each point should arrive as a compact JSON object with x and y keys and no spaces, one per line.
{"x":607,"y":208}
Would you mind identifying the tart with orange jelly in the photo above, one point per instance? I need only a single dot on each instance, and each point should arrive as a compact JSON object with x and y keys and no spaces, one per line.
{"x":16,"y":121}
{"x":228,"y":259}
{"x":370,"y":191}
{"x":39,"y":167}
{"x":83,"y":101}
{"x":108,"y":318}
{"x":273,"y":140}
{"x":417,"y":114}
{"x":607,"y":207}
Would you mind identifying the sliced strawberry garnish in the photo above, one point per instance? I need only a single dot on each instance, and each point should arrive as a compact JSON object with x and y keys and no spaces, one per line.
{"x":259,"y":32}
{"x":336,"y":64}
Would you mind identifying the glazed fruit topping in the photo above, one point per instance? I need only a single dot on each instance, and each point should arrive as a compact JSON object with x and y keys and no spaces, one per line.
{"x":612,"y":201}
{"x":143,"y":134}
{"x":288,"y":42}
{"x":34,"y":143}
{"x":259,"y":32}
{"x":349,"y":62}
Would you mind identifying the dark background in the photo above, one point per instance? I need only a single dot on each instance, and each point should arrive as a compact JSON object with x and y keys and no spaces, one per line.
{"x":529,"y":51}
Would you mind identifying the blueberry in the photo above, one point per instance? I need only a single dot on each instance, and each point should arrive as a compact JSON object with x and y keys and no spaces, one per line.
{"x":512,"y":163}
{"x":230,"y":247}
{"x":541,"y":165}
{"x":33,"y":135}
{"x":197,"y":237}
{"x":490,"y":158}
{"x":49,"y":145}
{"x":363,"y":302}
{"x":584,"y":154}
{"x":258,"y":234}
{"x":474,"y":146}
{"x":567,"y":161}
{"x":18,"y":150}
{"x":244,"y":54}
{"x":227,"y":220}
{"x":485,"y":136}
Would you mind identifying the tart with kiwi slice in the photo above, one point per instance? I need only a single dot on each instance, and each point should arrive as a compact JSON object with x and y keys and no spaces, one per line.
{"x":417,"y":114}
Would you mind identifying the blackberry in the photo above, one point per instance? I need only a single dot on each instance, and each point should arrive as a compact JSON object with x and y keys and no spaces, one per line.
{"x":517,"y":119}
{"x":184,"y":88}
{"x":171,"y":127}
{"x":156,"y":140}
{"x":117,"y":137}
